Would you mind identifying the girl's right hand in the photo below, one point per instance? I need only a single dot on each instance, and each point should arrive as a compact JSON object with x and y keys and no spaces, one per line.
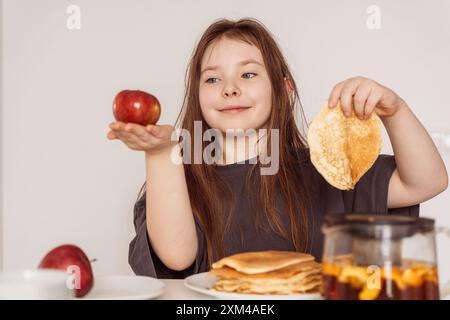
{"x":152,"y":139}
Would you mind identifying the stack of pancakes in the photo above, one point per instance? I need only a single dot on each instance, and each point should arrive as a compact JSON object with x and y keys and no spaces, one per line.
{"x":267,"y":272}
{"x":343,"y":148}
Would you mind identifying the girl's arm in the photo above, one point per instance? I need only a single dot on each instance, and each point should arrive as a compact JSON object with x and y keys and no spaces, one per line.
{"x":170,"y":221}
{"x":420,"y":173}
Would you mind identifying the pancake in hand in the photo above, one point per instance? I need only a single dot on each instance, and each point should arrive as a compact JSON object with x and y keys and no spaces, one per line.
{"x":343,"y":148}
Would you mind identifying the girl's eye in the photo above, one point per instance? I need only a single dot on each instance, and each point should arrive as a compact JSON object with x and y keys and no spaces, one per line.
{"x":254,"y":74}
{"x":208,"y":80}
{"x":212,"y":80}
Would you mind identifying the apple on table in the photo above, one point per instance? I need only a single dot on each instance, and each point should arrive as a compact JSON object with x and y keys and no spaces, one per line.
{"x":73,"y":260}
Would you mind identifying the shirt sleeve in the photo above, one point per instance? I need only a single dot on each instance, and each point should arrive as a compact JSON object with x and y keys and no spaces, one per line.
{"x":371,"y":192}
{"x":143,"y":259}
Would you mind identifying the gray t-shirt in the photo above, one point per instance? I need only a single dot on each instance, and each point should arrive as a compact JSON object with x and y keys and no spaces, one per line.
{"x":369,"y":195}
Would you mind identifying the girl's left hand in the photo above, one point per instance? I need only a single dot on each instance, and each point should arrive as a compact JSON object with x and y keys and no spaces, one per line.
{"x":363,"y":96}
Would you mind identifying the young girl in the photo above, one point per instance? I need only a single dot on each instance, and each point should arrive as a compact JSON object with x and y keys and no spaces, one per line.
{"x":190,"y":215}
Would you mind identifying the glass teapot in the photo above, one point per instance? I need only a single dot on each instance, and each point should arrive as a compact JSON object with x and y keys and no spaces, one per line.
{"x":370,"y":256}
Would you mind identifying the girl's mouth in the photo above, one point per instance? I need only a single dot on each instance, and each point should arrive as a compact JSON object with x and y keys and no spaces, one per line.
{"x":234,"y":110}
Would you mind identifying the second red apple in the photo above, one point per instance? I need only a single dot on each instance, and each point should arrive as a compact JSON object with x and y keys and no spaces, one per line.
{"x":73,"y":260}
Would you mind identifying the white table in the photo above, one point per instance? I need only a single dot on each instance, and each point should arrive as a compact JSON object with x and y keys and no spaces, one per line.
{"x":175,"y":289}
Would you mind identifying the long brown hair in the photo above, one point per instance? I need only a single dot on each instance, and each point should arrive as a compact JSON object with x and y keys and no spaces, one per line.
{"x":204,"y":183}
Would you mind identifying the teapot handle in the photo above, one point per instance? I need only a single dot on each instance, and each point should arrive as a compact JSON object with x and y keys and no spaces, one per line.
{"x":445,"y":291}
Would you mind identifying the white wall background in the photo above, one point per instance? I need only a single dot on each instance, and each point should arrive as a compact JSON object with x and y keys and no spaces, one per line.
{"x":63,"y":181}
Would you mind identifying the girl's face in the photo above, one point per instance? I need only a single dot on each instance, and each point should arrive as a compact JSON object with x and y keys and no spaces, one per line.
{"x":233,"y":74}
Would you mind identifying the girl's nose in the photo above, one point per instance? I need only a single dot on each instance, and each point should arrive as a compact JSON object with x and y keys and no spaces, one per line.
{"x":231,"y":91}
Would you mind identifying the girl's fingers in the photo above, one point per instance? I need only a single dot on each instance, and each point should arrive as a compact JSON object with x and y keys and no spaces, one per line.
{"x":372,"y":101}
{"x":335,"y":94}
{"x":359,"y":95}
{"x":136,"y":135}
{"x":131,"y":129}
{"x":135,"y":129}
{"x":129,"y":137}
{"x":111,"y":135}
{"x":155,"y":130}
{"x":142,"y":132}
{"x":359,"y":100}
{"x":347,"y":97}
{"x":117,"y":125}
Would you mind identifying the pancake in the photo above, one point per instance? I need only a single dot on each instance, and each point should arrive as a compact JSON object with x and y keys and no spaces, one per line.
{"x":268,"y":272}
{"x":262,"y":261}
{"x":302,"y":269}
{"x":307,"y":285}
{"x":343,"y":149}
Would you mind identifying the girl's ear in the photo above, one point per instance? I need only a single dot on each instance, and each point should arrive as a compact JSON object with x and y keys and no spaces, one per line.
{"x":289,"y":86}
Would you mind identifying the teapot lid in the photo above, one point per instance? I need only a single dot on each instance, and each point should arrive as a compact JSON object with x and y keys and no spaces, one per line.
{"x":409,"y":225}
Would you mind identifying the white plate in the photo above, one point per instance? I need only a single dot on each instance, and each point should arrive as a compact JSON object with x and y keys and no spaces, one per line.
{"x":201,"y":282}
{"x":125,"y":288}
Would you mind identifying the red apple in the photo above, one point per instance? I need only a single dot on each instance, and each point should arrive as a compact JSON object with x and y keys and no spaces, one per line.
{"x":136,"y":106}
{"x":72,"y":260}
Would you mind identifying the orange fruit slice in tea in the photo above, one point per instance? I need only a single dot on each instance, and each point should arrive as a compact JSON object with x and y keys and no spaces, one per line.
{"x":412,"y":278}
{"x":369,"y":294}
{"x":418,"y":273}
{"x":356,"y":276}
{"x":330,"y":269}
{"x":343,"y":148}
{"x":394,"y":275}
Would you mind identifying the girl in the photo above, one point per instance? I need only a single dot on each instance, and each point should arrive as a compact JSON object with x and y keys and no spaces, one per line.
{"x":190,"y":215}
